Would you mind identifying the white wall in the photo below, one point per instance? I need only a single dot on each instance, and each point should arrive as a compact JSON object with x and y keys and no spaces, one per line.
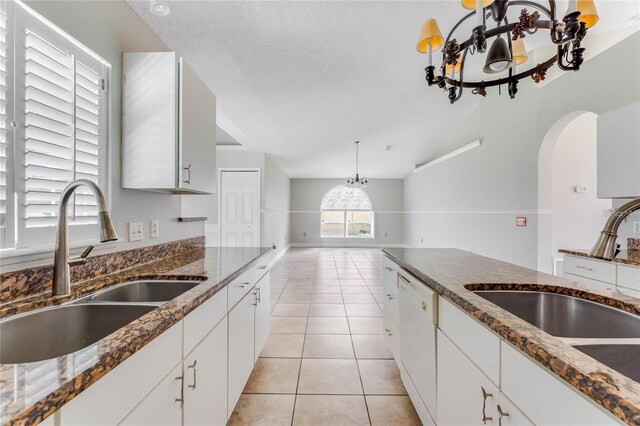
{"x":387,"y":199}
{"x":577,"y":218}
{"x":110,"y":28}
{"x":471,"y":201}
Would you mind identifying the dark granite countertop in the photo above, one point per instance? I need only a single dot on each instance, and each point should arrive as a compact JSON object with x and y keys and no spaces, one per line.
{"x":453,"y":272}
{"x":30,"y":398}
{"x":627,"y":257}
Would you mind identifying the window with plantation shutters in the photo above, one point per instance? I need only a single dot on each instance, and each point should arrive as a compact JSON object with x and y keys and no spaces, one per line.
{"x":60,"y":133}
{"x":5,"y":135}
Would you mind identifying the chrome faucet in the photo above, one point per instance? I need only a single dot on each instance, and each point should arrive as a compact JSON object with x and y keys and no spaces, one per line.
{"x":61,"y":262}
{"x":606,"y":247}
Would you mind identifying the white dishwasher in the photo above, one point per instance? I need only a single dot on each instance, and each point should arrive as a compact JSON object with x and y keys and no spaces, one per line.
{"x":418,"y":323}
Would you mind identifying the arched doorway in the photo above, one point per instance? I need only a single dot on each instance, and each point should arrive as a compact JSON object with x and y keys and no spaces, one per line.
{"x":571,"y":215}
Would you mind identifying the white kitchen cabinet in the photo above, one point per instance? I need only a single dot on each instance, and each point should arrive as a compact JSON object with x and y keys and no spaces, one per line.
{"x":163,"y":406}
{"x":602,"y":275}
{"x":466,"y":396}
{"x":619,"y":152}
{"x":262,"y":311}
{"x":544,"y":398}
{"x":590,"y":268}
{"x":108,"y":401}
{"x":241,"y":347}
{"x":205,"y":378}
{"x":391,"y":334}
{"x":168,"y":126}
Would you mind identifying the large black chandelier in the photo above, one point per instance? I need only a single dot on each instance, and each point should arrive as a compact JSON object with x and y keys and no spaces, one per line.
{"x":505,"y":53}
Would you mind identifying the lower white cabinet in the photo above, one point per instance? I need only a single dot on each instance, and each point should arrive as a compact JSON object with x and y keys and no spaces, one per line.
{"x":263,"y":290}
{"x":465,"y":395}
{"x":545,"y":399}
{"x":163,"y":406}
{"x":241,"y":346}
{"x":205,"y":376}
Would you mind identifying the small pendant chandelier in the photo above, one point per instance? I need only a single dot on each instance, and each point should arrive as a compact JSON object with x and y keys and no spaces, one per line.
{"x":507,"y":49}
{"x":357,"y":181}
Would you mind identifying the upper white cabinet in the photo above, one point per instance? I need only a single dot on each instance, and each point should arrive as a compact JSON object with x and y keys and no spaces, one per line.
{"x":619,"y":152}
{"x":168,"y":126}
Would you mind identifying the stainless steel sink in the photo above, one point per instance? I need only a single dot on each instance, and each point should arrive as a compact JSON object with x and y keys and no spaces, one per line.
{"x":566,"y":316}
{"x":151,"y":291}
{"x":620,"y":357}
{"x":62,"y":330}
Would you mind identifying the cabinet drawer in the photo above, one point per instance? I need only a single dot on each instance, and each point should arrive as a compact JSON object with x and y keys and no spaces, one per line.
{"x":203,"y":319}
{"x":629,"y":277}
{"x":545,"y":399}
{"x":391,"y":333}
{"x":629,"y":292}
{"x":476,"y":341}
{"x":590,"y":284}
{"x":589,"y":268}
{"x":239,"y":287}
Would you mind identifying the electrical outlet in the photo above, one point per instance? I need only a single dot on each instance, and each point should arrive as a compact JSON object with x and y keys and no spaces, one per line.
{"x":153,"y":229}
{"x":304,"y":234}
{"x":135,"y":231}
{"x":636,"y":227}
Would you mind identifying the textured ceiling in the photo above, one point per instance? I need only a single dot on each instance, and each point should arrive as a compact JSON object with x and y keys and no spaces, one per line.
{"x":302,"y":80}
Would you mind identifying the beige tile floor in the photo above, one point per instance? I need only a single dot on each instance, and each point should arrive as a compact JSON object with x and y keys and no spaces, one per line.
{"x":326,"y":361}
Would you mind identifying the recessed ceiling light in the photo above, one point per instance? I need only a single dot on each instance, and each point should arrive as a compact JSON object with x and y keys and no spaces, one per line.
{"x":159,"y":8}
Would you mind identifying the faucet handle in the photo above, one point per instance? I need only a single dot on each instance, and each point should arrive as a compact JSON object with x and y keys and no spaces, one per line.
{"x":82,"y":258}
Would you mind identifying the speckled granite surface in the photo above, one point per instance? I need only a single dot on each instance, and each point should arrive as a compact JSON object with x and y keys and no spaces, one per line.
{"x":453,"y":272}
{"x":627,"y":257}
{"x":27,"y":395}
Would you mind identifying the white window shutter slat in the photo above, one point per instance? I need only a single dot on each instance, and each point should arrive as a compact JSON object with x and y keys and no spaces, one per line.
{"x":6,"y":131}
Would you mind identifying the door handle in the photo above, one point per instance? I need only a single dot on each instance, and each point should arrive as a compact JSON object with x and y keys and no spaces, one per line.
{"x":485,"y":395}
{"x":181,"y":399}
{"x":195,"y":374}
{"x":188,"y":180}
{"x":502,"y":414}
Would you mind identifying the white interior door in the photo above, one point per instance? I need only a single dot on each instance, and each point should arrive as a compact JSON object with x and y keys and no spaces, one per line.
{"x":240,"y":208}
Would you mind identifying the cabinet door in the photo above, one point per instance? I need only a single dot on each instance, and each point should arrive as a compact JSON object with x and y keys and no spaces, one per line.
{"x":465,"y":395}
{"x":205,"y":380}
{"x":262,"y":313}
{"x":162,"y":406}
{"x":197,"y":133}
{"x":241,"y":347}
{"x":149,"y":120}
{"x":509,"y":414}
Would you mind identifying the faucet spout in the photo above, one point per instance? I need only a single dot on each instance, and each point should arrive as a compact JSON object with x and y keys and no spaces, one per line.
{"x":61,"y":280}
{"x":606,"y":247}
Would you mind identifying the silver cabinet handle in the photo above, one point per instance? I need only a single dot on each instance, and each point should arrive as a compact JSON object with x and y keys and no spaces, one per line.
{"x":502,"y":414}
{"x":389,"y":296}
{"x":195,"y":374}
{"x":262,"y":267}
{"x":388,"y":269}
{"x":584,"y":267}
{"x":243,"y":285}
{"x":423,"y":305}
{"x":188,"y":180}
{"x":485,"y":395}
{"x":404,"y":279}
{"x":181,"y":399}
{"x":257,"y":297}
{"x":388,"y":332}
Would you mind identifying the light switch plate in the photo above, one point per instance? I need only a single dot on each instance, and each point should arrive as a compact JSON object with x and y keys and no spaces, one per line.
{"x":154,"y":231}
{"x":135,"y":231}
{"x":636,"y":227}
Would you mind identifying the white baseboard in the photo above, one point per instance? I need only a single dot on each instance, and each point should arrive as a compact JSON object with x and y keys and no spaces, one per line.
{"x":278,"y":256}
{"x":338,"y":245}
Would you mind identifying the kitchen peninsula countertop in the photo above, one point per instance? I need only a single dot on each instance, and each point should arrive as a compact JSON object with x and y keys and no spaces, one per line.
{"x":627,"y":257}
{"x":27,"y":397}
{"x":452,"y":273}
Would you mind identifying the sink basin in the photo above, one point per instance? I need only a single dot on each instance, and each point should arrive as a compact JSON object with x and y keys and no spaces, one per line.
{"x":144,"y":291}
{"x":620,"y":357}
{"x":566,"y":316}
{"x":62,"y":330}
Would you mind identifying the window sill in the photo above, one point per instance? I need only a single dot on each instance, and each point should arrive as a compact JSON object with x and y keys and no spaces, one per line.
{"x":15,"y":259}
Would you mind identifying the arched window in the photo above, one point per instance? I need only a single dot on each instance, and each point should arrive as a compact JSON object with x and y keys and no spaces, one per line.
{"x":346,"y":213}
